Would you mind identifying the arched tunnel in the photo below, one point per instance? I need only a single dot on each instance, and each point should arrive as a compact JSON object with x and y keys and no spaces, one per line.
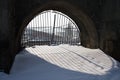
{"x":85,"y":24}
{"x":97,"y":20}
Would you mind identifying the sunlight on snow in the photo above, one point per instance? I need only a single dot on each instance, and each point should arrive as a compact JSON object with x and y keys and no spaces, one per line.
{"x":76,"y":58}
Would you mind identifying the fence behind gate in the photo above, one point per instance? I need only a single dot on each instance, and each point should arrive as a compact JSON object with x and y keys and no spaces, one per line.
{"x":51,"y":27}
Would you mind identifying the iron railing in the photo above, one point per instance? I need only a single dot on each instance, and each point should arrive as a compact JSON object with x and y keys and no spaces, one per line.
{"x":51,"y":27}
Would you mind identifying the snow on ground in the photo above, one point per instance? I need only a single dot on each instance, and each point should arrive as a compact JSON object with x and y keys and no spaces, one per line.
{"x":63,"y":62}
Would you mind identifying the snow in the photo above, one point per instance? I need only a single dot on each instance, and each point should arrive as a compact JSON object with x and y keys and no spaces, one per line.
{"x":63,"y":62}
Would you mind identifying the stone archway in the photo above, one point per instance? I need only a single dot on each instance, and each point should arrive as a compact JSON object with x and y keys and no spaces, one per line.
{"x":89,"y":37}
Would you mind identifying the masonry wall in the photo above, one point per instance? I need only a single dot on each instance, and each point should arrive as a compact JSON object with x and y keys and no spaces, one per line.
{"x":6,"y":35}
{"x":100,"y":18}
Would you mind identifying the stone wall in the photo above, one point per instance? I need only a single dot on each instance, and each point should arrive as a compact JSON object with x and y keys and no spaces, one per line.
{"x":6,"y":35}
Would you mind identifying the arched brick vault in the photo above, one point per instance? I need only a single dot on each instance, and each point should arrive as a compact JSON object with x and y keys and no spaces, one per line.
{"x":88,"y":35}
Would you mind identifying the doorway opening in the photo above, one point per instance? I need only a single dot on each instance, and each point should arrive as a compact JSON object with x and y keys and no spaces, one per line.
{"x":51,"y":27}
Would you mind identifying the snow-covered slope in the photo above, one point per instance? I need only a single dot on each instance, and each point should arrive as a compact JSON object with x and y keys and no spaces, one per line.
{"x":63,"y":62}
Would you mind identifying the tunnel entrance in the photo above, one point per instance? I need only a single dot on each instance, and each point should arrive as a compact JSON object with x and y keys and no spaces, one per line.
{"x":88,"y":34}
{"x":51,"y":27}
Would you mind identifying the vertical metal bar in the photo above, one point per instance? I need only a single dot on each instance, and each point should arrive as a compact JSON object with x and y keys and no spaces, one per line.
{"x":32,"y":30}
{"x":55,"y":28}
{"x":46,"y":23}
{"x":61,"y":29}
{"x":74,"y":42}
{"x":50,"y":24}
{"x":33,"y":34}
{"x":45,"y":37}
{"x":41,"y":17}
{"x":39,"y":36}
{"x":47,"y":27}
{"x":30,"y":33}
{"x":58,"y":30}
{"x":64,"y":27}
{"x":56,"y":24}
{"x":72,"y":34}
{"x":66,"y":24}
{"x":38,"y":27}
{"x":43,"y":26}
{"x":52,"y":39}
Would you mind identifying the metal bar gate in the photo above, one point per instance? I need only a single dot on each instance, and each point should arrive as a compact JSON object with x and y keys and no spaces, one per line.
{"x":51,"y":27}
